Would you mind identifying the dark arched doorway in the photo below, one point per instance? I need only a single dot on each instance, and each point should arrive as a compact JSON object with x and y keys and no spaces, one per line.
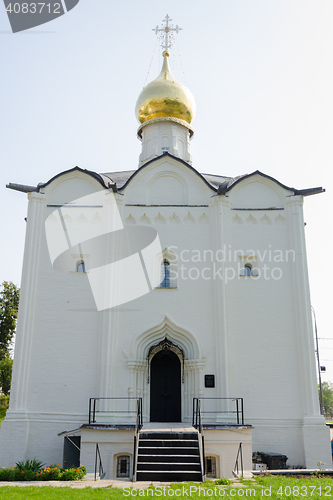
{"x":165,"y":387}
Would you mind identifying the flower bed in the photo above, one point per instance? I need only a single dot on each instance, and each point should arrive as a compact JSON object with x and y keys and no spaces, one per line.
{"x":52,"y":473}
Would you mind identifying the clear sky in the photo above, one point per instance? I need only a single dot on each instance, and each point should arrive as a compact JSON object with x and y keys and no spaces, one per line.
{"x":260,"y":71}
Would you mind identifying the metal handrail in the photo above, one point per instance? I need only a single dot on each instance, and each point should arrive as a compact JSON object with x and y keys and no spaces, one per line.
{"x":93,"y":411}
{"x":239,"y":411}
{"x":138,"y":425}
{"x":201,"y":438}
{"x":101,"y":472}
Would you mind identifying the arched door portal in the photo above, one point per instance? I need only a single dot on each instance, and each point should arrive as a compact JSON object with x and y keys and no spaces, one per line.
{"x":165,"y":382}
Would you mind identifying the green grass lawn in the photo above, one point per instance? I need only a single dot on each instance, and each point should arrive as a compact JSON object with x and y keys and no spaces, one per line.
{"x":58,"y":493}
{"x":267,"y":487}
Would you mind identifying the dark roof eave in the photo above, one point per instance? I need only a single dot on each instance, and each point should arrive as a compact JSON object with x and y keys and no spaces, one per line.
{"x":22,"y":188}
{"x":104,"y":181}
{"x":175,"y":158}
{"x":309,"y":191}
{"x":227,"y":186}
{"x":220,"y":189}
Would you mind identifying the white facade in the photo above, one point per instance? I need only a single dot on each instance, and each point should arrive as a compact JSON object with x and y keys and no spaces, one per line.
{"x":237,"y":307}
{"x":253,"y":333}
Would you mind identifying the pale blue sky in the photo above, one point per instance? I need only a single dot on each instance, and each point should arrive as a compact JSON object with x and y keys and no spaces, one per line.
{"x":260,"y":71}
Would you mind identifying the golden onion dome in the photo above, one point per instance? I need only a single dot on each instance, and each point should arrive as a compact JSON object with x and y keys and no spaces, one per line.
{"x":166,"y":98}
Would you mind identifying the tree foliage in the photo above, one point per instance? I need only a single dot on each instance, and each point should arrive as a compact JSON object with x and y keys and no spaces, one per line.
{"x":6,"y":367}
{"x":9,"y":302}
{"x":327,"y":388}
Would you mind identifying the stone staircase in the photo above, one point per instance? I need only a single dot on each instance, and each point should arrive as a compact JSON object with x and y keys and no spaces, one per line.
{"x":168,"y":456}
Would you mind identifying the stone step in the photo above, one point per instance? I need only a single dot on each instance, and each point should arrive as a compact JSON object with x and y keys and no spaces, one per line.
{"x":168,"y":442}
{"x":165,"y":466}
{"x":170,"y":476}
{"x":169,"y":435}
{"x":169,"y":458}
{"x":172,"y":450}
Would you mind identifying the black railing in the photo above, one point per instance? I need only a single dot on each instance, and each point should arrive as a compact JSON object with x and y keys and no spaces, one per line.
{"x":217,"y":410}
{"x":139,"y":420}
{"x":196,"y":419}
{"x":113,"y":410}
{"x":98,"y":459}
{"x":138,"y":426}
{"x":239,"y":462}
{"x":197,"y":423}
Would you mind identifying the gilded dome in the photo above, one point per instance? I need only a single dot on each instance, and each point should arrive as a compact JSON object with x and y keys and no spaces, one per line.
{"x":164,"y":97}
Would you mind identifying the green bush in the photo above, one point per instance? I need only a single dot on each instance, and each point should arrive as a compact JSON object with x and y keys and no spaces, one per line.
{"x":222,"y":480}
{"x":73,"y":474}
{"x":32,"y":465}
{"x":7,"y":474}
{"x":4,"y":401}
{"x":26,"y":471}
{"x":6,"y":368}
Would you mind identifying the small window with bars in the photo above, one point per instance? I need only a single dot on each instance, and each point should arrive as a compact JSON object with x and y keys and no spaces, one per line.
{"x":210,"y":466}
{"x":123,"y":466}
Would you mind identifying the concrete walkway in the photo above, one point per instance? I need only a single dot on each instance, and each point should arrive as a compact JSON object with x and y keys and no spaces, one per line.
{"x":100,"y":483}
{"x":84,"y":483}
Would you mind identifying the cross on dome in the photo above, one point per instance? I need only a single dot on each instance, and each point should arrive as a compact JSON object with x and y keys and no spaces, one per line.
{"x":166,"y":33}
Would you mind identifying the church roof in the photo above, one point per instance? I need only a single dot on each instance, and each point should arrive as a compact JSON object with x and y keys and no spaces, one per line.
{"x":122,"y":177}
{"x":119,"y":180}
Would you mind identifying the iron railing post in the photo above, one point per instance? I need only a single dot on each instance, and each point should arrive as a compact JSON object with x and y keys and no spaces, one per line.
{"x":134,"y":459}
{"x":193,"y":412}
{"x":94,"y":411}
{"x":141,"y":416}
{"x":242,"y":409}
{"x":203,"y":454}
{"x":241,"y":455}
{"x":96,"y":461}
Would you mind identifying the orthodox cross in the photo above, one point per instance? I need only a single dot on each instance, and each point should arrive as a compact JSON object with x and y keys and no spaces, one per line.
{"x":166,"y":33}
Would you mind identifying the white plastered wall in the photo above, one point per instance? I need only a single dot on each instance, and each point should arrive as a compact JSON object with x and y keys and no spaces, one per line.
{"x":253,"y":333}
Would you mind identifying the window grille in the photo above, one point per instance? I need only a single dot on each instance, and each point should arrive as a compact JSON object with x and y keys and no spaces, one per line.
{"x":123,"y":466}
{"x":210,"y":465}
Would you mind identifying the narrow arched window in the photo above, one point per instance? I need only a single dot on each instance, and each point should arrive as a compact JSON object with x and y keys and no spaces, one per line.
{"x":165,"y":274}
{"x":123,"y":466}
{"x":247,"y":270}
{"x":81,"y":267}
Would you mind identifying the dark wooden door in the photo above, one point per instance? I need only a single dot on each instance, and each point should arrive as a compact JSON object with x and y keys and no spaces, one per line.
{"x":72,"y":451}
{"x":165,"y":387}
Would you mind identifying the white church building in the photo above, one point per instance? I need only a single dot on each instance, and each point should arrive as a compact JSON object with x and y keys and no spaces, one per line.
{"x":160,"y":306}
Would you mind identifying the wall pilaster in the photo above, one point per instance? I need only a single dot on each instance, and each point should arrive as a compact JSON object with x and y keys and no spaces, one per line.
{"x":302,"y":308}
{"x":220,"y":207}
{"x":109,"y":317}
{"x":27,"y":307}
